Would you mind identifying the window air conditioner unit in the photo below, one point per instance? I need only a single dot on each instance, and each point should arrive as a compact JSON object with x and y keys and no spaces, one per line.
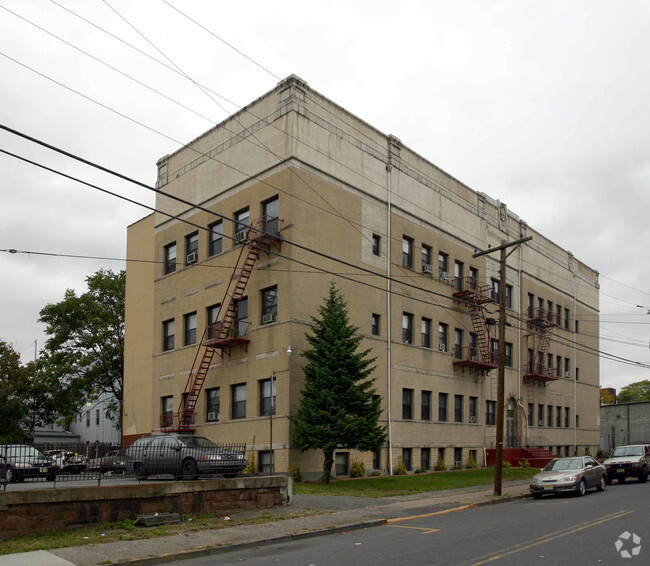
{"x":240,"y":237}
{"x":457,"y":464}
{"x":270,"y":317}
{"x":567,"y":374}
{"x":213,"y":416}
{"x":444,"y":276}
{"x":541,"y":422}
{"x":427,"y":268}
{"x":442,"y":347}
{"x":472,"y":419}
{"x":192,"y":258}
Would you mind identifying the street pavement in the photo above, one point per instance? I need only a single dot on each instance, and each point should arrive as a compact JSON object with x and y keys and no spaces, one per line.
{"x":324,"y":515}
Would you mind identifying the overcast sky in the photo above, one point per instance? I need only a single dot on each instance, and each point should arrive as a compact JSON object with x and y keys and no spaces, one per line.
{"x":542,"y":105}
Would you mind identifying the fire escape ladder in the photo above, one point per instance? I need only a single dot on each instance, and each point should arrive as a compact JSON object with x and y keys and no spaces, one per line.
{"x":480,"y":329}
{"x":191,"y":395}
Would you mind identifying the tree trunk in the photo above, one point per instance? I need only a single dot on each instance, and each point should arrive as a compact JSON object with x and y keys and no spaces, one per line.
{"x":327,"y":466}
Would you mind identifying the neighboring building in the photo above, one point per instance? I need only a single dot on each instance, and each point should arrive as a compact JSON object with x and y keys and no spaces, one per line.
{"x":625,"y":423}
{"x":93,"y":426}
{"x":295,"y":164}
{"x":54,"y":435}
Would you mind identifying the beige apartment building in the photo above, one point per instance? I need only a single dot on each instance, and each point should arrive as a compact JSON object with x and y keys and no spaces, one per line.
{"x":292,"y":193}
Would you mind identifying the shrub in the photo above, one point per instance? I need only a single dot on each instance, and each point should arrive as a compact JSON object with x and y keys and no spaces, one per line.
{"x":358,"y":470}
{"x":601,"y":455}
{"x":524,"y":463}
{"x":506,"y":464}
{"x":374,"y":474}
{"x":401,"y":468}
{"x":294,"y":471}
{"x":250,"y":467}
{"x":440,"y":465}
{"x":421,"y":470}
{"x":471,"y":462}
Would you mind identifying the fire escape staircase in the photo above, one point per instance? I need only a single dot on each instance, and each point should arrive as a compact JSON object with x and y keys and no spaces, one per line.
{"x":219,"y":338}
{"x":541,"y":323}
{"x":478,"y":358}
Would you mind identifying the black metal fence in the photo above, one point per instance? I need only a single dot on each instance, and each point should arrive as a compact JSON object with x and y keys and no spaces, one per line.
{"x":149,"y":457}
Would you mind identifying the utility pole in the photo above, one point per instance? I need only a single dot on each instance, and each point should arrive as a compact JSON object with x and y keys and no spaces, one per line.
{"x":501,"y":361}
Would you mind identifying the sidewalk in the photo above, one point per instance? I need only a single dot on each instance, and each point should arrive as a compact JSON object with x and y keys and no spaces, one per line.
{"x":331,"y":514}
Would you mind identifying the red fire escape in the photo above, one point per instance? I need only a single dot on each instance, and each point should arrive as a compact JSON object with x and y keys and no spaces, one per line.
{"x":479,"y":357}
{"x":228,"y":331}
{"x":541,"y":323}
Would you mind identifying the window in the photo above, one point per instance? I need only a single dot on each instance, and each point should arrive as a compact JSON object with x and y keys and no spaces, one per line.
{"x":407,"y":252}
{"x":186,"y":396}
{"x":458,"y":408}
{"x":490,"y":412}
{"x":496,"y":290}
{"x":473,"y":347}
{"x":376,"y":245}
{"x":238,"y":394}
{"x":375,"y":324}
{"x":577,"y":421}
{"x":577,"y":374}
{"x":442,"y":406}
{"x":407,"y":458}
{"x":376,"y":460}
{"x":407,"y":403}
{"x":425,"y":458}
{"x":441,"y":455}
{"x":508,"y":360}
{"x":566,"y":417}
{"x":242,"y":222}
{"x":540,"y":415}
{"x":242,"y":317}
{"x":269,"y":305}
{"x":426,"y":332}
{"x":567,"y":367}
{"x":558,"y":366}
{"x":342,"y":463}
{"x":458,"y":275}
{"x":267,"y":397}
{"x":549,"y":311}
{"x":443,"y":265}
{"x":473,"y":278}
{"x":566,"y":319}
{"x":167,"y":411}
{"x":425,"y":406}
{"x":213,"y":318}
{"x":558,"y":314}
{"x":509,"y":296}
{"x":265,"y":458}
{"x":170,"y":258}
{"x":426,"y":256}
{"x":216,"y":238}
{"x":531,"y":414}
{"x":96,"y":417}
{"x":549,"y":363}
{"x":549,"y":416}
{"x":458,"y":343}
{"x":458,"y":457}
{"x":494,"y":350}
{"x":558,"y":417}
{"x":407,"y":328}
{"x":213,"y":404}
{"x":271,"y":214}
{"x":88,"y":419}
{"x":531,"y":305}
{"x":442,"y":337}
{"x":168,"y":335}
{"x":191,"y":248}
{"x":473,"y":403}
{"x":577,"y":326}
{"x":189,"y":323}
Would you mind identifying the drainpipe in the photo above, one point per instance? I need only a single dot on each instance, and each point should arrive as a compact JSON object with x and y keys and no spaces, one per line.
{"x":575,"y":383}
{"x":389,"y":320}
{"x":519,"y":333}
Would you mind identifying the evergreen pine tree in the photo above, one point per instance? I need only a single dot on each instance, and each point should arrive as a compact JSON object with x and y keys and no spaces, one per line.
{"x":337,"y":409}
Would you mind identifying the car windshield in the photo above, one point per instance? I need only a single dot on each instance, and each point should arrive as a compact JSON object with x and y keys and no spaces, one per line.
{"x":22,"y":452}
{"x":565,"y":464}
{"x":627,"y":451}
{"x":198,"y":442}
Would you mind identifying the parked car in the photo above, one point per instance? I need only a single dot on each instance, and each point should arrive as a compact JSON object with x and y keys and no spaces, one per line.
{"x":184,"y":456}
{"x":630,"y":461}
{"x":70,"y":462}
{"x":22,"y":461}
{"x":114,"y":461}
{"x":575,"y":474}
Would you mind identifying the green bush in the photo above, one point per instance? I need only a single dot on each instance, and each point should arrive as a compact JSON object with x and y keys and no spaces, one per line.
{"x":421,"y":470}
{"x":440,"y":465}
{"x":358,"y":470}
{"x":295,"y":472}
{"x":471,"y":462}
{"x":401,"y":468}
{"x":374,"y":474}
{"x":506,"y":464}
{"x":601,"y":455}
{"x":524,"y":463}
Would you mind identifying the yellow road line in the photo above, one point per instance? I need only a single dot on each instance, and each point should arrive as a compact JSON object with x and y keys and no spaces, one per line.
{"x":546,"y":538}
{"x":426,"y":531}
{"x":411,"y":517}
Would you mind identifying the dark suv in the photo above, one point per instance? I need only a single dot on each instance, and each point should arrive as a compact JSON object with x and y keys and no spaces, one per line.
{"x":628,"y":462}
{"x":22,"y":461}
{"x":184,"y":456}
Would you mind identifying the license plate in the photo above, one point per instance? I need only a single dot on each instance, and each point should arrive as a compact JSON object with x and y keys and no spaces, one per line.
{"x":548,"y":487}
{"x":42,"y":470}
{"x":621,"y":470}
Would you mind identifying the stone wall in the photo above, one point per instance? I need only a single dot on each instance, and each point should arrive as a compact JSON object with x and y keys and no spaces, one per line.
{"x":42,"y":510}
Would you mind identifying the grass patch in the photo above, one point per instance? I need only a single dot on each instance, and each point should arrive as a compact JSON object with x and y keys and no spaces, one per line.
{"x":389,"y":486}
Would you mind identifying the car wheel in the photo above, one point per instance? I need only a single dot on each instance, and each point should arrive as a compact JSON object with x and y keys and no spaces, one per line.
{"x":608,"y":480}
{"x":140,"y":472}
{"x":582,"y":488}
{"x":537,"y":495}
{"x":643,"y":475}
{"x":189,"y":470}
{"x":9,"y":475}
{"x":601,"y":485}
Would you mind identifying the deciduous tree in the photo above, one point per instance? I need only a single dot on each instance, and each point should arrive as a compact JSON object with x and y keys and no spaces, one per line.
{"x":639,"y":391}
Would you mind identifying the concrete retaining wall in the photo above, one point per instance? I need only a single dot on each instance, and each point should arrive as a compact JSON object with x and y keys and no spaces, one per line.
{"x":38,"y":511}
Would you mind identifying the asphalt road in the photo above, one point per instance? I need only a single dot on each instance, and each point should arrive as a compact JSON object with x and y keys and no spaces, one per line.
{"x":555,"y":530}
